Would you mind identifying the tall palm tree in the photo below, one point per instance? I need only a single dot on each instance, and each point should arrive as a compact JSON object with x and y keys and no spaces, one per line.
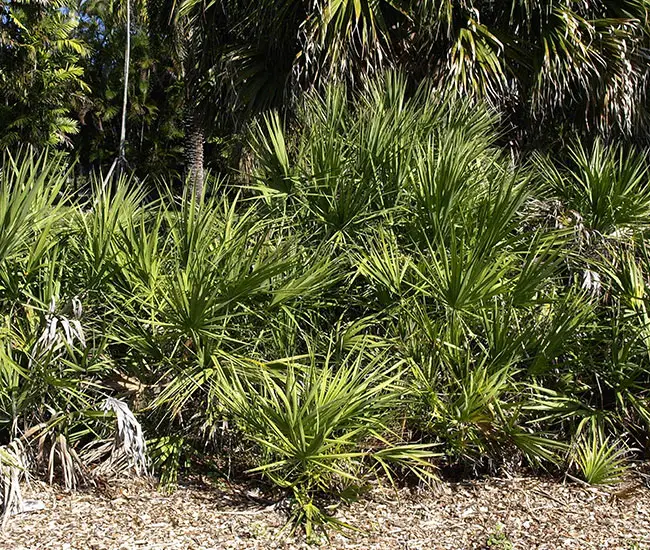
{"x":541,"y":61}
{"x":233,"y":58}
{"x":551,"y":59}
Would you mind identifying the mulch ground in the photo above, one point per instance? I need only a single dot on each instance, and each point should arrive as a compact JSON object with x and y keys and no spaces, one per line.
{"x":526,"y":513}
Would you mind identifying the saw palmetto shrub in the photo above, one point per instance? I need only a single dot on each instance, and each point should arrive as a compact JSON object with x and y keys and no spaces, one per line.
{"x":392,"y":295}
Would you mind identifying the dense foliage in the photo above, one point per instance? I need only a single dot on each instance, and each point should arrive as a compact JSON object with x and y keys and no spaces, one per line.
{"x":421,"y":247}
{"x":391,"y":293}
{"x":199,"y":70}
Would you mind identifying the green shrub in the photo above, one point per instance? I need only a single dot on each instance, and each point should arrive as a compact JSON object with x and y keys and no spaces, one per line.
{"x":394,"y":294}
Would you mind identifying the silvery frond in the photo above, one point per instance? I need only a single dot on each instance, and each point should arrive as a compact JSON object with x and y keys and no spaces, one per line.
{"x":48,"y":338}
{"x":129,"y":439}
{"x":77,"y":308}
{"x":591,"y":281}
{"x":13,"y":467}
{"x":60,"y":330}
{"x":67,"y":333}
{"x":78,"y":332}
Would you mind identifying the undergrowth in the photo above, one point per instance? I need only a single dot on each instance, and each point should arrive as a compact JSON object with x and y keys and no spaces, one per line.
{"x":392,"y":294}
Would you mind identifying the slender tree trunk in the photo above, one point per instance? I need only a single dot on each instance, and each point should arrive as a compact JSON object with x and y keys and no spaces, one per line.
{"x":127,"y":62}
{"x":120,"y":161}
{"x":193,"y":150}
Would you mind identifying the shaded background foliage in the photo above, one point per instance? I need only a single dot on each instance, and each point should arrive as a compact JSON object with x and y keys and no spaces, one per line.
{"x":201,"y":69}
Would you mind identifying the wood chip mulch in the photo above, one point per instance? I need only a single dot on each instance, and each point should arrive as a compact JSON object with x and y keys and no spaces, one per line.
{"x":526,"y":513}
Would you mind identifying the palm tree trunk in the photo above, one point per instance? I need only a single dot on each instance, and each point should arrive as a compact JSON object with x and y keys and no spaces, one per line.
{"x":193,"y":150}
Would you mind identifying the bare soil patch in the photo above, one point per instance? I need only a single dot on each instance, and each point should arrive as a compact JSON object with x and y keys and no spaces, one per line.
{"x":526,"y":513}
